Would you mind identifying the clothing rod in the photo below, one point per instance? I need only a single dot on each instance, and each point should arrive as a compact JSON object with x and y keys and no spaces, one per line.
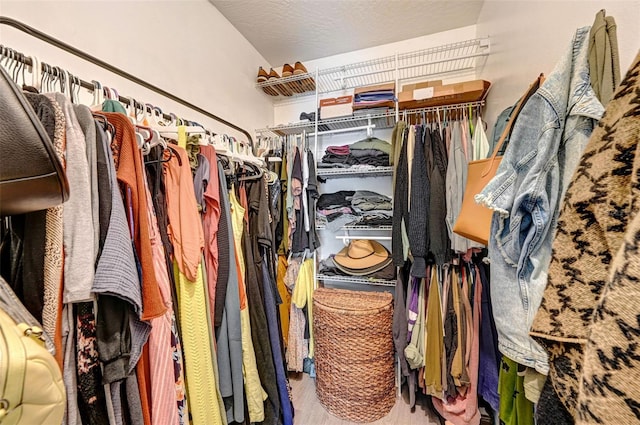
{"x":457,"y":106}
{"x":346,"y":238}
{"x":83,"y":55}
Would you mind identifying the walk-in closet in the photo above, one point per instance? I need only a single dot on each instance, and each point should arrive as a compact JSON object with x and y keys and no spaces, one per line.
{"x":319,"y":212}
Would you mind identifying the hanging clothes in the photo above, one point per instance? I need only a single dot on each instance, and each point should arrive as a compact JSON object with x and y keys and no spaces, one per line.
{"x":463,"y":409}
{"x":254,"y":392}
{"x":188,"y":242}
{"x":229,"y":332}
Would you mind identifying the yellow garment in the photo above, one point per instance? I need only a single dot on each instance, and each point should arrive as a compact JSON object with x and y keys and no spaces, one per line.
{"x":237,"y":217}
{"x":255,"y":394}
{"x":286,"y":298}
{"x":434,"y":339}
{"x":182,"y":136}
{"x":533,"y":383}
{"x":303,"y":295}
{"x":200,"y":378}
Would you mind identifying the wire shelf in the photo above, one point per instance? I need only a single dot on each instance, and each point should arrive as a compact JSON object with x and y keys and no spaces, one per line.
{"x":379,"y":120}
{"x":289,"y":87}
{"x":357,"y":227}
{"x":354,"y":172}
{"x":359,"y":280}
{"x":449,"y":58}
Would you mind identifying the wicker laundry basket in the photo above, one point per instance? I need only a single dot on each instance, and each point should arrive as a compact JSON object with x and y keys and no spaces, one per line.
{"x":354,"y":353}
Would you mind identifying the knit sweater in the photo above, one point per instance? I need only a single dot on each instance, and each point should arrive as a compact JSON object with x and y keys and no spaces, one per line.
{"x":609,"y":390}
{"x":439,"y":242}
{"x":419,"y":207}
{"x":602,"y":198}
{"x":400,"y":205}
{"x":129,"y":165}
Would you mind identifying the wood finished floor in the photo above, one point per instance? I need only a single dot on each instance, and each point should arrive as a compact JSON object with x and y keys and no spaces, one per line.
{"x":309,"y":411}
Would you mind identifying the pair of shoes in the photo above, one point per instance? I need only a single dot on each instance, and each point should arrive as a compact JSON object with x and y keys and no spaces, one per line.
{"x":263,"y":77}
{"x":275,"y":89}
{"x":299,"y":86}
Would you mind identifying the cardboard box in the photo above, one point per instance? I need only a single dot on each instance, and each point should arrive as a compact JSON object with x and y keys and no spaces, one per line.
{"x":422,"y":95}
{"x":335,"y":107}
{"x":377,"y":87}
{"x":421,"y":85}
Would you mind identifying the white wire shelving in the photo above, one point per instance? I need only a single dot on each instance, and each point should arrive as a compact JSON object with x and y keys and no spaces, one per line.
{"x":354,"y":172}
{"x":332,"y":125}
{"x":358,"y":280}
{"x":435,"y":61}
{"x":357,"y":227}
{"x":289,"y":87}
{"x":376,"y":121}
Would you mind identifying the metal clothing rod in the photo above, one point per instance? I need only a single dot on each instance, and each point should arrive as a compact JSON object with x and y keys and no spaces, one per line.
{"x":79,"y":53}
{"x":457,"y":106}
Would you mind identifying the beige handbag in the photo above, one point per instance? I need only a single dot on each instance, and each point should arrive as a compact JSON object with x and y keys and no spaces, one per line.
{"x":474,"y":220}
{"x":31,"y":386}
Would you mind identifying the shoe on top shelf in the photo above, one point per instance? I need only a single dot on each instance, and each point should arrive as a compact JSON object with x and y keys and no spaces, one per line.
{"x":281,"y":88}
{"x":308,"y":83}
{"x":263,"y":77}
{"x":296,"y":86}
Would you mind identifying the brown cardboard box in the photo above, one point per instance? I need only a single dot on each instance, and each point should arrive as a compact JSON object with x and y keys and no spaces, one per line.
{"x":334,"y":107}
{"x":419,"y":96}
{"x":386,"y":86}
{"x":421,"y":85}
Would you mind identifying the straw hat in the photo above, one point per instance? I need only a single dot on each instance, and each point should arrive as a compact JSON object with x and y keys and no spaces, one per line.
{"x":362,"y":254}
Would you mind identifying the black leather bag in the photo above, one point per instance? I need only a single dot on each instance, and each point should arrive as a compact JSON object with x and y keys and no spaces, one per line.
{"x":31,"y":175}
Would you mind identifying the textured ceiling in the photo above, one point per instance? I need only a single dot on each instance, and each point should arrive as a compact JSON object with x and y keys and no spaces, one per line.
{"x":285,"y":31}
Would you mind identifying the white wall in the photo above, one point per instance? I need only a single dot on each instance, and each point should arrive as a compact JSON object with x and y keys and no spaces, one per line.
{"x":187,"y":48}
{"x":288,"y":111}
{"x":528,"y":37}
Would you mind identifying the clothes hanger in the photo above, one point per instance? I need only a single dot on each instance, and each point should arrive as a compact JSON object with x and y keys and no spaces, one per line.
{"x":98,"y":96}
{"x":74,"y":88}
{"x":36,"y":73}
{"x":220,"y":144}
{"x":245,"y":177}
{"x":44,"y":76}
{"x":106,"y":125}
{"x":18,"y":64}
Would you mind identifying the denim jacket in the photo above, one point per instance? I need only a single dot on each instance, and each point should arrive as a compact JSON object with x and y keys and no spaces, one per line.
{"x":545,"y":146}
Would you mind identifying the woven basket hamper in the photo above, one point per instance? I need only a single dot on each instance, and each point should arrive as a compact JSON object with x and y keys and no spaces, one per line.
{"x":354,"y":353}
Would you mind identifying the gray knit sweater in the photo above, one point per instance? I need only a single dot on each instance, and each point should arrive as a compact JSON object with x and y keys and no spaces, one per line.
{"x":419,"y":208}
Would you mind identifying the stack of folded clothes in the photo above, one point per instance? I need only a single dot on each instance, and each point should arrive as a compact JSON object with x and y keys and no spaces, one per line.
{"x":370,"y":152}
{"x":348,"y":207}
{"x":362,"y":258}
{"x":374,"y":96}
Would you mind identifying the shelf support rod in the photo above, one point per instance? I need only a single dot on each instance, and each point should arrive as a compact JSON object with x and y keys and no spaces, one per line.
{"x":396,"y":73}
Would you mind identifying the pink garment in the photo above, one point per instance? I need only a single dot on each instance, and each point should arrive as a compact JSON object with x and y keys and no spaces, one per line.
{"x":463,"y":410}
{"x":210,"y":221}
{"x":185,"y":228}
{"x":339,"y":150}
{"x":164,"y":409}
{"x":343,"y":210}
{"x":465,"y":141}
{"x":296,"y":191}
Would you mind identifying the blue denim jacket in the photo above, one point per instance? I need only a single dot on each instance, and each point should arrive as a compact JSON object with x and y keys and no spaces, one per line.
{"x":547,"y":141}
